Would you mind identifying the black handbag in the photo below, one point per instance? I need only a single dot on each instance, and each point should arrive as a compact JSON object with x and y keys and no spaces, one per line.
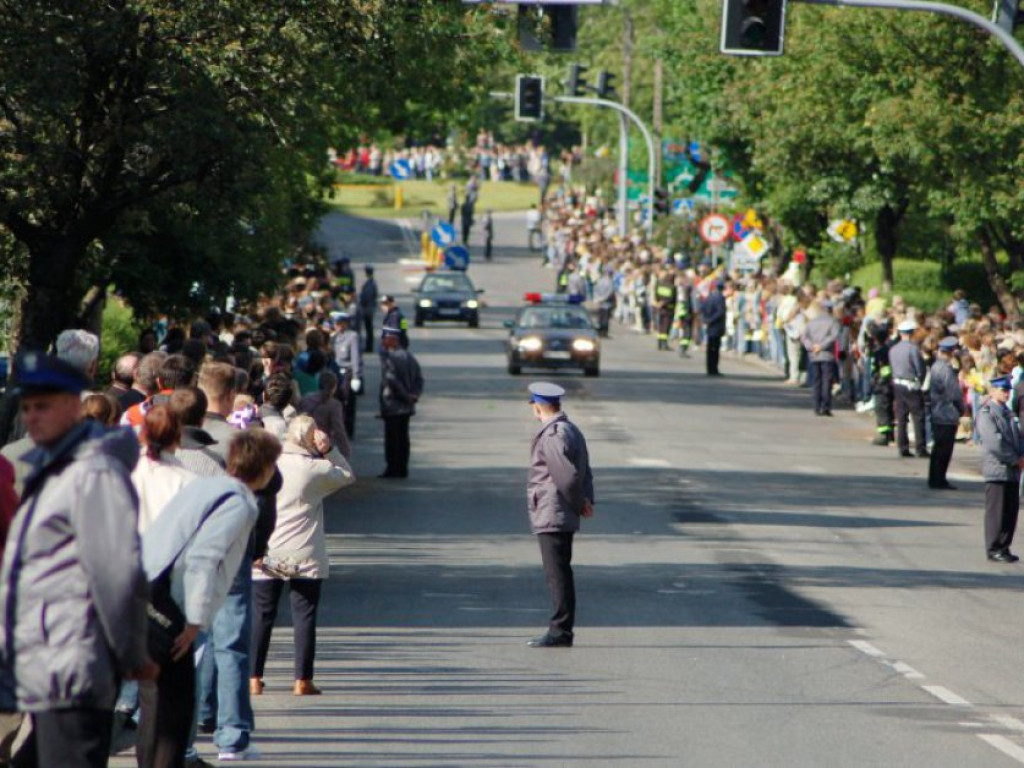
{"x":166,"y":620}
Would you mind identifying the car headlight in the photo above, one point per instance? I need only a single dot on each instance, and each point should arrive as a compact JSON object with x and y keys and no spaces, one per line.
{"x":584,"y":345}
{"x":530,"y":344}
{"x":471,"y":304}
{"x":426,"y":303}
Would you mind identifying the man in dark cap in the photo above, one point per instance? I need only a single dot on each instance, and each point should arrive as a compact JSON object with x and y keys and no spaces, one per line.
{"x":348,"y":364}
{"x":72,"y":590}
{"x":1002,"y":458}
{"x":401,"y":384}
{"x":908,"y":370}
{"x":393,"y":318}
{"x":947,"y":406}
{"x":367,"y":306}
{"x":559,"y":491}
{"x":712,"y":312}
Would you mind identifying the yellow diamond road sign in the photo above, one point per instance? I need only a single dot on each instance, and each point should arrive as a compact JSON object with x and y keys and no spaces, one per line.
{"x":755,"y":245}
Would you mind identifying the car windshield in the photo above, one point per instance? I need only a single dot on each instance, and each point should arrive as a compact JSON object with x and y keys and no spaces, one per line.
{"x":444,"y":283}
{"x":554,"y":317}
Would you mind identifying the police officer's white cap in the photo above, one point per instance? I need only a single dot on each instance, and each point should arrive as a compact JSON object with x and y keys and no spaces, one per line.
{"x":546,"y":392}
{"x":907,"y":326}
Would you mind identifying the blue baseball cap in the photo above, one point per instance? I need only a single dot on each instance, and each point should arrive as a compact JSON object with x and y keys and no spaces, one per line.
{"x":545,"y":392}
{"x":40,"y":374}
{"x":1001,"y":382}
{"x":949,"y":343}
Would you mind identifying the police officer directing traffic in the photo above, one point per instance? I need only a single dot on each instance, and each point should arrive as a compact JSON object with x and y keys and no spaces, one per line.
{"x":559,"y":491}
{"x":947,"y":406}
{"x":908,"y":371}
{"x":1002,"y":457}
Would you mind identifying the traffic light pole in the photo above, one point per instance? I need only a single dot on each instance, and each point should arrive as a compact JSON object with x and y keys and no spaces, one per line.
{"x":623,"y":206}
{"x":626,"y":113}
{"x":1008,"y":40}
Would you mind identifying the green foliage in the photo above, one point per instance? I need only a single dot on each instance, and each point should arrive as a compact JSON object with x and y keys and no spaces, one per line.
{"x":119,"y":333}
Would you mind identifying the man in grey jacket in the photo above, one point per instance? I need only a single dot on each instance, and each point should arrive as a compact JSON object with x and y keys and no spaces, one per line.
{"x":819,"y":339}
{"x":559,"y":491}
{"x":947,"y":406}
{"x":72,"y":591}
{"x":1002,"y":458}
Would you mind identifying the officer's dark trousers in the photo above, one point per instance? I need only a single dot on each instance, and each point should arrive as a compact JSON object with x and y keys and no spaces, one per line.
{"x":1002,"y":503}
{"x":823,"y":386}
{"x":944,"y":438}
{"x":556,"y":554}
{"x":909,"y":404}
{"x":368,"y":330}
{"x":396,"y":445}
{"x":68,"y":738}
{"x":165,"y":718}
{"x":713,"y":347}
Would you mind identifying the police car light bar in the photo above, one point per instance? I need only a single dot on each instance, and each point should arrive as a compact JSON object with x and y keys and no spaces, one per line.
{"x":553,"y":298}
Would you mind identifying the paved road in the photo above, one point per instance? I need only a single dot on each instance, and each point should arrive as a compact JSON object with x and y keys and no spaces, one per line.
{"x":759,"y":588}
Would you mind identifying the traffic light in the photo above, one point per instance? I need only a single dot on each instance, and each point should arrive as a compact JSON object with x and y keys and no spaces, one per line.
{"x":606,"y":85}
{"x":529,"y":98}
{"x":662,"y":204}
{"x":563,"y":27}
{"x":753,"y":27}
{"x":1009,"y":15}
{"x":577,"y":86}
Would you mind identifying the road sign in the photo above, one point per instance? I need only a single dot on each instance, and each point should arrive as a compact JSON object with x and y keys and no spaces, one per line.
{"x":443,"y":234}
{"x":683,"y":206}
{"x":739,"y":229}
{"x":755,"y":245}
{"x":457,"y":257}
{"x":400,"y":169}
{"x":714,"y":228}
{"x":843,"y":230}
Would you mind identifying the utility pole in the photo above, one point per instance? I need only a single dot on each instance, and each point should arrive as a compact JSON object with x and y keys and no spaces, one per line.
{"x":627,"y":87}
{"x":627,"y":56}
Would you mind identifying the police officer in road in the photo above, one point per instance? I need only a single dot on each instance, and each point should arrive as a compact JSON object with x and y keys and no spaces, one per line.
{"x":604,"y":298}
{"x":559,"y":491}
{"x":712,"y":314}
{"x":908,"y":372}
{"x":348,"y":362}
{"x":1002,"y":458}
{"x":401,"y":384}
{"x":947,"y":406}
{"x":367,"y":306}
{"x":393,"y":318}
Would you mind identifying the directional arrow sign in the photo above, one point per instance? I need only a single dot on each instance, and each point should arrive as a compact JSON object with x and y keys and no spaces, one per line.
{"x":400,"y":169}
{"x":443,"y":234}
{"x":457,"y":257}
{"x":714,"y":228}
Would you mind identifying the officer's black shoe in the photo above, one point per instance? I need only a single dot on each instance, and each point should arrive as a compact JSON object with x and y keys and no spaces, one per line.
{"x":922,"y":454}
{"x":1004,"y":556}
{"x":550,"y":641}
{"x":826,"y":413}
{"x":906,"y":454}
{"x":880,"y":440}
{"x":942,"y":486}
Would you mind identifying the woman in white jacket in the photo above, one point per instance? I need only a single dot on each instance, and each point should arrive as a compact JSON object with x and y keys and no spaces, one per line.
{"x":159,"y":475}
{"x":297,"y":552}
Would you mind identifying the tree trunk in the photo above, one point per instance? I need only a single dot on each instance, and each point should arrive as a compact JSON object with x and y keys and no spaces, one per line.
{"x":887,"y":240}
{"x":51,"y":301}
{"x":995,"y":278}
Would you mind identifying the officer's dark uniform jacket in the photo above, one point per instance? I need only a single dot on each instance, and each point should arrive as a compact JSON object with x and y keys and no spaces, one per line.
{"x":907,"y":365}
{"x":947,"y":401}
{"x":395,"y":319}
{"x":401,"y":382}
{"x":1001,"y":446}
{"x":559,"y":479}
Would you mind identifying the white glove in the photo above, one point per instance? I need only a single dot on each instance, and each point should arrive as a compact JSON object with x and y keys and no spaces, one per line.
{"x":357,"y":384}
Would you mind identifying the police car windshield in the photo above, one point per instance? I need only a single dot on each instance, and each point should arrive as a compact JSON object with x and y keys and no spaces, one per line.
{"x":554,"y":317}
{"x":442,"y":283}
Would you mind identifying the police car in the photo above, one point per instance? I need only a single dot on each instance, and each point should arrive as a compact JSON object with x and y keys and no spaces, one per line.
{"x":447,"y":296}
{"x":553,"y":331}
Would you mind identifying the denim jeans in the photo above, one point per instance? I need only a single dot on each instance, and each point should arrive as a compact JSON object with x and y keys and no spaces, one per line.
{"x":225,"y":669}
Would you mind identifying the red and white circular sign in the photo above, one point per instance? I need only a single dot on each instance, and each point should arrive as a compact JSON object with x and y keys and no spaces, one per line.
{"x":715,"y":228}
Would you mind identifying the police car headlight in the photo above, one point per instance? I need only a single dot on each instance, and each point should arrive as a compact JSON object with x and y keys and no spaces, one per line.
{"x":426,"y":303}
{"x":584,"y":345}
{"x":471,"y":304}
{"x":530,"y":344}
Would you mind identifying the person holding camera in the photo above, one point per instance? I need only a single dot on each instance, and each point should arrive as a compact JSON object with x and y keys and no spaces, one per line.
{"x":297,"y":552}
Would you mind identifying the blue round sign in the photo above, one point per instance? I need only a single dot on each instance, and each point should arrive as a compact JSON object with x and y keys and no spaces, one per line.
{"x":457,"y":257}
{"x":443,"y":234}
{"x":400,"y":169}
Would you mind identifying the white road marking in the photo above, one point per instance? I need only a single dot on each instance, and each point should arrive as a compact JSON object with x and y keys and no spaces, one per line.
{"x":971,"y":724}
{"x":412,"y":279}
{"x":947,"y":696}
{"x":906,"y":670}
{"x":865,"y":647}
{"x":1004,"y":745}
{"x":408,"y":235}
{"x":639,"y":461}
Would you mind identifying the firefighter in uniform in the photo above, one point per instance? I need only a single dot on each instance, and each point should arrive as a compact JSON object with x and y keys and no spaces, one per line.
{"x":881,"y":385}
{"x":344,"y":277}
{"x":908,"y":371}
{"x":665,"y":304}
{"x":348,"y":363}
{"x":393,"y":318}
{"x":684,"y":315}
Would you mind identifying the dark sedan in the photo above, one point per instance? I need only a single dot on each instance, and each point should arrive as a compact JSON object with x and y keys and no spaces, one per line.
{"x":555,"y":335}
{"x":447,"y":296}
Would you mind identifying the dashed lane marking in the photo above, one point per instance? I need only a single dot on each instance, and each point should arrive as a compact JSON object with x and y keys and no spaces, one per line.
{"x":1009,"y":722}
{"x":1004,"y":745}
{"x":865,"y":647}
{"x":947,"y":696}
{"x":907,"y":671}
{"x":639,"y":461}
